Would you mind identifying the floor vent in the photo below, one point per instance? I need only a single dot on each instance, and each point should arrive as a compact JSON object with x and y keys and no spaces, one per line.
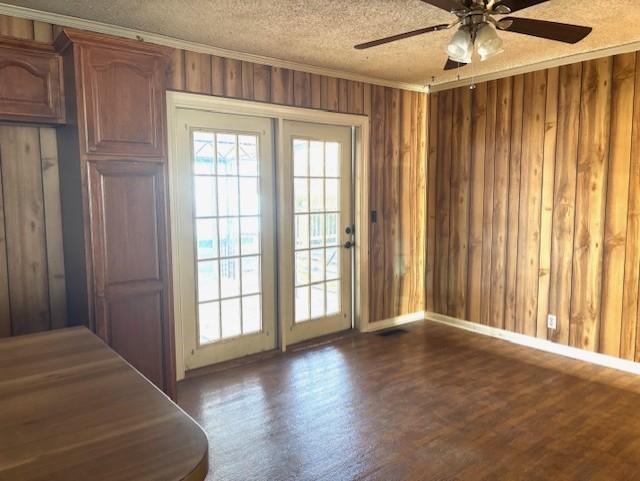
{"x":392,"y":332}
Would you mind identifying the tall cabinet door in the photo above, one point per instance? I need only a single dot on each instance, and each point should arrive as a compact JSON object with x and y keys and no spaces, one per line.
{"x":114,"y":166}
{"x":128,"y":226}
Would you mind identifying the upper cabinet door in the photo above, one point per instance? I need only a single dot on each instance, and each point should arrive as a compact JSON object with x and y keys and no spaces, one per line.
{"x":30,"y":82}
{"x":124,"y":102}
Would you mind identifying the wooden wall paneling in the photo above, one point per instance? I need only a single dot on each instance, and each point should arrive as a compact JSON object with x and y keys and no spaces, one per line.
{"x":535,"y":99}
{"x":16,"y":27}
{"x":262,"y":83}
{"x":443,"y":197}
{"x":391,"y":204}
{"x":197,"y":72}
{"x":459,"y":203}
{"x":302,"y":89}
{"x":629,"y":339}
{"x":500,"y":201}
{"x":377,"y":173}
{"x":408,"y":197}
{"x":53,"y":226}
{"x":25,"y":229}
{"x":343,"y":95}
{"x":355,"y":96}
{"x":432,"y":182}
{"x":247,"y":81}
{"x":218,"y":75}
{"x":419,"y":183}
{"x":316,"y":91}
{"x":560,"y":280}
{"x":593,"y":149}
{"x":175,"y":72}
{"x":546,"y":214}
{"x":5,"y":304}
{"x":366,"y":99}
{"x":515,"y":166}
{"x":617,"y":202}
{"x":487,"y":206}
{"x":42,"y":31}
{"x":233,"y":78}
{"x":282,"y":86}
{"x":476,"y":200}
{"x":332,"y":95}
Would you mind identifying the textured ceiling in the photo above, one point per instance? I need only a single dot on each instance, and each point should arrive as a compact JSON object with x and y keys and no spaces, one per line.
{"x":322,"y":32}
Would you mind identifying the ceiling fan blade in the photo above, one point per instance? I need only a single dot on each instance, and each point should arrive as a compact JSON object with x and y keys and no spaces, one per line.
{"x":400,"y":36}
{"x":451,"y":64}
{"x":561,"y":32}
{"x":515,"y":5}
{"x":448,"y":5}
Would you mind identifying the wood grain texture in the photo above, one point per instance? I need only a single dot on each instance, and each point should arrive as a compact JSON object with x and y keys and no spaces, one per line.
{"x":25,"y":229}
{"x":561,"y":183}
{"x":442,"y":405}
{"x":100,"y":415}
{"x":432,"y":179}
{"x":593,"y":152}
{"x":617,"y":202}
{"x":197,"y":72}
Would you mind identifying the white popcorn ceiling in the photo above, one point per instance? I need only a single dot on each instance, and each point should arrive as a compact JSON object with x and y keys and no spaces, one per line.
{"x":322,"y":32}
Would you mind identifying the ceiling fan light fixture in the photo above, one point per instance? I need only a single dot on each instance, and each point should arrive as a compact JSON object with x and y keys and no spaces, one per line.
{"x":460,"y":48}
{"x":488,"y":43}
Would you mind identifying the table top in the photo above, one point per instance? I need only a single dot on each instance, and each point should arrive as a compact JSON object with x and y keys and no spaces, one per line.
{"x":72,"y":409}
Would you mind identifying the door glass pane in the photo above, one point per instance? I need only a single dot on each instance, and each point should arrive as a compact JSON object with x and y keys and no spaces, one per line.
{"x":209,"y":322}
{"x":227,"y":158}
{"x":207,"y":238}
{"x":231,"y":315}
{"x":250,"y":204}
{"x":316,"y":186}
{"x":248,"y":154}
{"x":204,"y":153}
{"x":251,"y":314}
{"x":228,"y":234}
{"x":205,"y":187}
{"x":208,"y":285}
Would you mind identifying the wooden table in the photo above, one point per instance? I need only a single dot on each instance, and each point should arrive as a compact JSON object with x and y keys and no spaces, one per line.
{"x":72,"y":409}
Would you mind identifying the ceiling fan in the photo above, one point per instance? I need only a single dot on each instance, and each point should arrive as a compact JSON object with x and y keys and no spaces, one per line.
{"x":477,"y":28}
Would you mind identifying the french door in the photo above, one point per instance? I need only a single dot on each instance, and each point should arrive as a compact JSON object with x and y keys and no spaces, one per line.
{"x":316,"y":232}
{"x":225,"y":214}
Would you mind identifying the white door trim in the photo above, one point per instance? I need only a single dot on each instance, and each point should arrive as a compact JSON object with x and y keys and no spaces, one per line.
{"x":178,"y":100}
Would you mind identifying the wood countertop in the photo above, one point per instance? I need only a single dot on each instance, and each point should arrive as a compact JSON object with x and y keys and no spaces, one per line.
{"x":72,"y":409}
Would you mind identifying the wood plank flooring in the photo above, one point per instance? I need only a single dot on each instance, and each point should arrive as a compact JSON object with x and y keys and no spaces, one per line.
{"x":432,"y":404}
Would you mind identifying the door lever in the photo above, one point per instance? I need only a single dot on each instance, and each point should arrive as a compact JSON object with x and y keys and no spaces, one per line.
{"x":349,"y":244}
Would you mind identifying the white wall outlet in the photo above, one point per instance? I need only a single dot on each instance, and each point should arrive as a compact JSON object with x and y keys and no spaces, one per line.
{"x":552,"y":321}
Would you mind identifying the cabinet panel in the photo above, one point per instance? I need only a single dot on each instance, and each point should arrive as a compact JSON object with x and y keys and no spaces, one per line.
{"x":30,"y":82}
{"x":123,"y":121}
{"x":135,"y":332}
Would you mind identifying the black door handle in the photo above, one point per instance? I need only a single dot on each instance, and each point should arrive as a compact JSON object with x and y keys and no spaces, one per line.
{"x":349,"y":244}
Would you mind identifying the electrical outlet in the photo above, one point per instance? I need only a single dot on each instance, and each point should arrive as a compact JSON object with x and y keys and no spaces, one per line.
{"x":552,"y":321}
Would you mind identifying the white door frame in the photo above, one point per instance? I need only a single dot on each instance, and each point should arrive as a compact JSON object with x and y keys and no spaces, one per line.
{"x":183,"y":100}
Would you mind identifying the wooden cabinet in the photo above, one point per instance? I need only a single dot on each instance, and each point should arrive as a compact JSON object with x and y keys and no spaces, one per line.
{"x":31,"y":88}
{"x":113,"y":161}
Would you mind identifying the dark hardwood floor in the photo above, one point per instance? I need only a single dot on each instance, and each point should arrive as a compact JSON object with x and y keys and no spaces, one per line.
{"x":433,"y":404}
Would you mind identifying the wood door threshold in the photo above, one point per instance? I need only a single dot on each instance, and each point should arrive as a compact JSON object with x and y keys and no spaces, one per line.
{"x":263,"y":356}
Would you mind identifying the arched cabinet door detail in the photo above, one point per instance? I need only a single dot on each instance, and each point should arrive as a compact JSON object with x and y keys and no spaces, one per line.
{"x":30,"y":82}
{"x":123,"y":121}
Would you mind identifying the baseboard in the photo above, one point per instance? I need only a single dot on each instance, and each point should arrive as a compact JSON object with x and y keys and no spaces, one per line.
{"x":394,"y":321}
{"x":540,"y":344}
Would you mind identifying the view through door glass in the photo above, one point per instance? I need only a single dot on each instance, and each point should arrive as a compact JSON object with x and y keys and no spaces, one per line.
{"x":316,"y":191}
{"x":225,"y":236}
{"x":225,"y":170}
{"x":315,"y":237}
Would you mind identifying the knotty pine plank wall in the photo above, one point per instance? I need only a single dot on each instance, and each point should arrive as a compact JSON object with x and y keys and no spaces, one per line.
{"x":397,"y":152}
{"x":397,"y":158}
{"x":534,"y":204}
{"x":32,"y":281}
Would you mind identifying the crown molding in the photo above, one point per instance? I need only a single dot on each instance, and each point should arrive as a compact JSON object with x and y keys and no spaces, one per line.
{"x":546,"y":64}
{"x":75,"y":22}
